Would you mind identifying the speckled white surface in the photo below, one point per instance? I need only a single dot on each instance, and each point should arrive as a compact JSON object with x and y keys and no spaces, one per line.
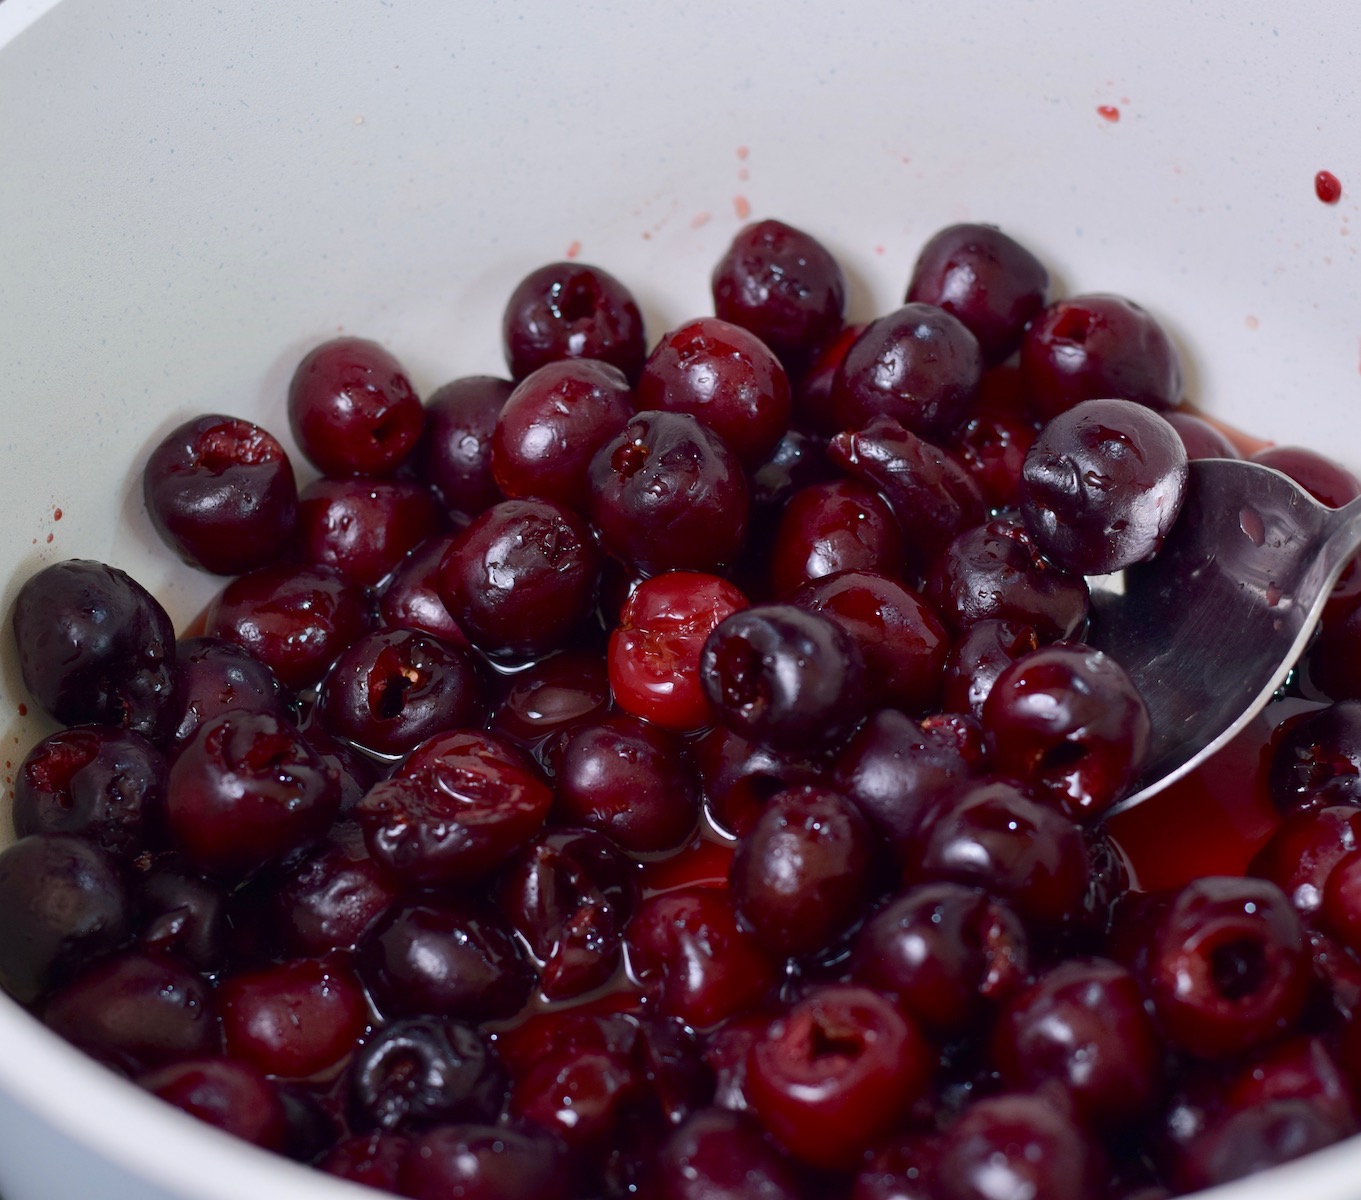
{"x":192,"y":193}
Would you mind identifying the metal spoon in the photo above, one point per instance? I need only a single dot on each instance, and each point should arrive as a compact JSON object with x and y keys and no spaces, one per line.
{"x":1211,"y":627}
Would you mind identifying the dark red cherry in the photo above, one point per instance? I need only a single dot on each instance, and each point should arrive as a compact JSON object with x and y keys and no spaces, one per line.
{"x":409,"y":597}
{"x":1316,"y":758}
{"x":483,"y":1162}
{"x":352,"y":408}
{"x":1328,"y":481}
{"x":555,"y":694}
{"x":229,"y":1095}
{"x":721,"y":1153}
{"x":984,"y":650}
{"x":362,"y":528}
{"x":1201,"y":439}
{"x":454,"y":454}
{"x":826,"y":528}
{"x":216,"y":676}
{"x":221,"y":493}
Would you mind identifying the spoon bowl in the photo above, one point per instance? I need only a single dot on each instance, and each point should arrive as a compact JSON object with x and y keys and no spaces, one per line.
{"x":1209,"y":630}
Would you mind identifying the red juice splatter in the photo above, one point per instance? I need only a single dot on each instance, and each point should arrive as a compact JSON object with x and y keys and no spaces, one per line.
{"x":23,"y":710}
{"x":573,"y":250}
{"x":742,"y":206}
{"x":1327,"y":187}
{"x":56,"y":514}
{"x":742,"y":152}
{"x":1108,"y":112}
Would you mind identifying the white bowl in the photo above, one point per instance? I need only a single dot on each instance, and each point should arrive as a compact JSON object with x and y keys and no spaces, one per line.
{"x":192,"y":193}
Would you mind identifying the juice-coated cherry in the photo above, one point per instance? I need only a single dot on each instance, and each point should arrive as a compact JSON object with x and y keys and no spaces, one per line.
{"x":221,"y":493}
{"x":717,"y":1152}
{"x":352,"y":408}
{"x":454,"y":454}
{"x":984,"y":650}
{"x":1316,"y":758}
{"x":216,"y":676}
{"x":229,"y":1095}
{"x":362,"y":528}
{"x":825,"y":528}
{"x":483,"y":1162}
{"x":555,"y":694}
{"x":568,"y":310}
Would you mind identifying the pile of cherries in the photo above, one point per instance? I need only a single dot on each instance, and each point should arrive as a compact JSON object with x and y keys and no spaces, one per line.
{"x":679,"y":774}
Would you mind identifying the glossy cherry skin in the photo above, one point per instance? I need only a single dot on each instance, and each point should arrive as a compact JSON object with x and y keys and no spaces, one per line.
{"x":992,"y":283}
{"x":1098,"y":346}
{"x":62,"y":903}
{"x":992,"y":447}
{"x":784,"y":677}
{"x":181,"y":912}
{"x":295,"y":620}
{"x":245,"y":791}
{"x":374,"y":1160}
{"x":393,"y":689}
{"x":717,"y":1152}
{"x":669,"y":494}
{"x":1067,"y":721}
{"x":826,"y":528}
{"x":445,"y":958}
{"x":555,"y":694}
{"x":292,"y":1019}
{"x":137,"y":1010}
{"x":107,"y":785}
{"x":1084,"y":1025}
{"x":919,"y":365}
{"x":569,"y":310}
{"x":1201,"y":439}
{"x":740,"y":775}
{"x":483,"y":1162}
{"x":409,"y":597}
{"x":782,"y":285}
{"x":569,"y":893}
{"x":1302,"y":852}
{"x":221,"y":493}
{"x":215,"y":676}
{"x":1329,"y":482}
{"x":454,"y":454}
{"x":725,"y":377}
{"x":551,"y":425}
{"x":654,"y":650}
{"x":521,"y":579}
{"x":1226,"y":966}
{"x":460,"y":804}
{"x":1102,"y":485}
{"x":803,"y":875}
{"x":1316,"y":758}
{"x":362,"y":528}
{"x":352,"y":408}
{"x":96,"y":648}
{"x":984,"y":650}
{"x":690,"y":955}
{"x":629,"y":780}
{"x":229,"y":1095}
{"x":902,"y":641}
{"x":835,"y":1072}
{"x":947,"y":953}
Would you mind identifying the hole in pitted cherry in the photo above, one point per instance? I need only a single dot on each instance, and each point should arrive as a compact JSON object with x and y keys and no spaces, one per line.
{"x":1239,"y":968}
{"x":1063,"y":757}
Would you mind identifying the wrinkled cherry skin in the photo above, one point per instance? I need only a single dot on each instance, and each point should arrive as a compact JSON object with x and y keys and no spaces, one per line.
{"x":825,"y":528}
{"x":292,"y":1019}
{"x":946,"y":952}
{"x":992,"y":283}
{"x":245,"y":791}
{"x":837,"y":1072}
{"x":229,"y":1095}
{"x":669,"y":494}
{"x":295,"y":620}
{"x":393,"y":689}
{"x":450,"y":958}
{"x":654,"y":649}
{"x":221,"y":493}
{"x":1102,"y":486}
{"x":96,"y":648}
{"x":568,"y":310}
{"x":569,"y":893}
{"x":690,"y":955}
{"x":216,"y":676}
{"x":725,"y":377}
{"x":1015,"y":1144}
{"x":459,"y":805}
{"x":992,"y":837}
{"x":1096,"y":346}
{"x":137,"y":1010}
{"x":552,"y":424}
{"x":423,"y":1071}
{"x":784,"y":677}
{"x":919,"y":365}
{"x":997,"y":571}
{"x":803,"y":875}
{"x":899,"y":636}
{"x":454,"y":454}
{"x":1316,"y":759}
{"x":62,"y":904}
{"x":1067,"y":722}
{"x":927,"y":488}
{"x":627,"y":779}
{"x":521,"y":579}
{"x":1226,"y":966}
{"x":717,"y":1152}
{"x":352,"y":408}
{"x":782,"y":285}
{"x":1083,"y":1024}
{"x":362,"y":528}
{"x":483,"y":1162}
{"x":107,"y":785}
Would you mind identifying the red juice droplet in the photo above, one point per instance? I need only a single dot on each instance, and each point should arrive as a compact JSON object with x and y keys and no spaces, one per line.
{"x":1108,"y":112}
{"x":742,"y":206}
{"x":1327,"y":187}
{"x":56,"y":514}
{"x":573,"y":250}
{"x":23,"y":710}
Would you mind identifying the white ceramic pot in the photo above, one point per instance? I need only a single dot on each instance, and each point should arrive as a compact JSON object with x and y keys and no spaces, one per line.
{"x":191,"y":193}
